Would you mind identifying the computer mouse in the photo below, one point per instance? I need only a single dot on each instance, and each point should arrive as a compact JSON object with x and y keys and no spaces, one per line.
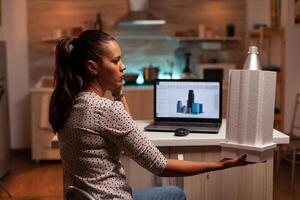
{"x":181,"y":132}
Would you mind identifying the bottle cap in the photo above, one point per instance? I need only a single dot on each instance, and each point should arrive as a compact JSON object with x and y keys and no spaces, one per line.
{"x":252,"y":61}
{"x":253,"y":49}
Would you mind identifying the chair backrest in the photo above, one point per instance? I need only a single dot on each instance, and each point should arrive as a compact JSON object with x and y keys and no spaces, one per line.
{"x":295,"y":128}
{"x":75,"y":193}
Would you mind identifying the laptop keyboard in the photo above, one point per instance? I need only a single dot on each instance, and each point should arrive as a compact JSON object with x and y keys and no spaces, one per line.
{"x":177,"y":124}
{"x":198,"y":128}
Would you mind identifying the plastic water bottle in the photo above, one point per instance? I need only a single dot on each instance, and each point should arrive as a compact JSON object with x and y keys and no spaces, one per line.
{"x":252,"y":60}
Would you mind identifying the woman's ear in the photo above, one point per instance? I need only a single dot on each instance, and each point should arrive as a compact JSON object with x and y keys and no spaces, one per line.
{"x":92,"y":67}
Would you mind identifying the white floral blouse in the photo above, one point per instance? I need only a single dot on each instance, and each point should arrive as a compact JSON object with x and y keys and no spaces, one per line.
{"x":96,"y":131}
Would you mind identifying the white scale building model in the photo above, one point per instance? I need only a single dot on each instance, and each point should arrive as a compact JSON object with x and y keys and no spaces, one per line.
{"x":250,"y":111}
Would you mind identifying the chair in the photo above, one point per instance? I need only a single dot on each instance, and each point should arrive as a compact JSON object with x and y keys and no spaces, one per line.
{"x":290,"y":151}
{"x":75,"y":193}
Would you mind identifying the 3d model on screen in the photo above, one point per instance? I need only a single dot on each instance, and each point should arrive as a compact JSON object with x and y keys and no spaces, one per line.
{"x":191,"y":107}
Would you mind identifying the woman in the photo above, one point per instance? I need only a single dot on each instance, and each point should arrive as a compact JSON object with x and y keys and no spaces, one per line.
{"x":93,"y":130}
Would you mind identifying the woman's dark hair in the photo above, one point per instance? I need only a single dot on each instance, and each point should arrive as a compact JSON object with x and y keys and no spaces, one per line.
{"x":71,"y":76}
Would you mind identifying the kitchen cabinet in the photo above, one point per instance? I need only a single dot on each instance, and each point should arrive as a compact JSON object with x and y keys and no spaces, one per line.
{"x":247,"y":182}
{"x":41,"y":132}
{"x":253,"y":181}
{"x":140,"y":101}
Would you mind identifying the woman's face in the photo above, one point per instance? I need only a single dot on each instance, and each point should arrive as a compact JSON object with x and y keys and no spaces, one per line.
{"x":110,"y":73}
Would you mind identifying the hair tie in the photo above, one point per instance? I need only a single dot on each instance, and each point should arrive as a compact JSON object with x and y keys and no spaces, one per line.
{"x":72,"y":44}
{"x":71,"y":47}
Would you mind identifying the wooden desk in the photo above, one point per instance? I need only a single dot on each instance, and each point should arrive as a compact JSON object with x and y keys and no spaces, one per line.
{"x":167,"y":139}
{"x":247,"y":182}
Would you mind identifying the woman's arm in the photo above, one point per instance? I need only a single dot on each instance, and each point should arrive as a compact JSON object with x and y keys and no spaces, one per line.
{"x":124,"y":133}
{"x":176,"y":168}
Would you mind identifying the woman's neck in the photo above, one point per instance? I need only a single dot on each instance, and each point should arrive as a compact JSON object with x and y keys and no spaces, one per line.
{"x":95,"y":87}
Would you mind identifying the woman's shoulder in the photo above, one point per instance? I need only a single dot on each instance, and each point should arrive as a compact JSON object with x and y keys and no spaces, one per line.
{"x":93,"y":100}
{"x":112,"y":114}
{"x":90,"y":99}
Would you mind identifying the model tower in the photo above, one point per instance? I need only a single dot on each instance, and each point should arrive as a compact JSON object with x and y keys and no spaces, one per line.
{"x":250,"y":111}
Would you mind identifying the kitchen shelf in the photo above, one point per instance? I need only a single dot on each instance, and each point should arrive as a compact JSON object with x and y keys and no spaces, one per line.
{"x":159,"y":37}
{"x":143,"y":37}
{"x":119,"y":37}
{"x":48,"y":39}
{"x":212,"y":39}
{"x":267,"y":32}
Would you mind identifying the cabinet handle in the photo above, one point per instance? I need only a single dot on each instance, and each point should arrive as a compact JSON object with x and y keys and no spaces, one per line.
{"x":180,"y":157}
{"x":180,"y":180}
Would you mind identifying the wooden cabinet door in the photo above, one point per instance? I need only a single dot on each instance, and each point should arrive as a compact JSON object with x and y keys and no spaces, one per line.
{"x":140,"y":103}
{"x":248,"y":182}
{"x":202,"y":186}
{"x":41,"y":132}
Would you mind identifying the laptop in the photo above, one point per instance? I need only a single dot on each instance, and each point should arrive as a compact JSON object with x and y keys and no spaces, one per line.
{"x":192,"y":104}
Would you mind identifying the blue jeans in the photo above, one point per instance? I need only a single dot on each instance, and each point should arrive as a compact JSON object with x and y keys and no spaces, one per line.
{"x":159,"y":193}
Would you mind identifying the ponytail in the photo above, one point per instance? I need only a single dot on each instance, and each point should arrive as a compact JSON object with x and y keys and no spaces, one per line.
{"x":67,"y":85}
{"x":70,"y":76}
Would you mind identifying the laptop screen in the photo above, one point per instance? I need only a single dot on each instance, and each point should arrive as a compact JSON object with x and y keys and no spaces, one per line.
{"x":191,"y":100}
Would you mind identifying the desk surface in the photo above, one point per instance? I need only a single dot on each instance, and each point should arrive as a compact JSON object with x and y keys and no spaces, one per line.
{"x":162,"y":139}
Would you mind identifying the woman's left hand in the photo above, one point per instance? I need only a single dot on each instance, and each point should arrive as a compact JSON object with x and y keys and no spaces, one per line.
{"x":117,"y":91}
{"x":239,"y":161}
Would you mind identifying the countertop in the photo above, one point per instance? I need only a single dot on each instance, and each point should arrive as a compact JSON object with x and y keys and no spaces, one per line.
{"x":164,"y":139}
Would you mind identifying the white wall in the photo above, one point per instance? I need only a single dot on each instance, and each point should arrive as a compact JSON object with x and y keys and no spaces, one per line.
{"x":292,"y":81}
{"x":14,"y":32}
